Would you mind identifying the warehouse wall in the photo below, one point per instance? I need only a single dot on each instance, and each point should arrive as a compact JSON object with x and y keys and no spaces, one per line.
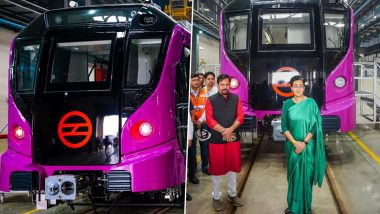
{"x":6,"y":37}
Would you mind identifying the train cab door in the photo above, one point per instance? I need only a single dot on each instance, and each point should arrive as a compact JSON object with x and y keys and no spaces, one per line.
{"x":76,"y":116}
{"x":182,"y":98}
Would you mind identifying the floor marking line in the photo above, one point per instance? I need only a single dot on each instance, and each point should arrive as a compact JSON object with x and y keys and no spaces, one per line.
{"x":32,"y":211}
{"x":364,"y":147}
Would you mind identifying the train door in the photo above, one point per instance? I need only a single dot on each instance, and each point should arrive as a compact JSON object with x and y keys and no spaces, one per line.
{"x":76,"y":119}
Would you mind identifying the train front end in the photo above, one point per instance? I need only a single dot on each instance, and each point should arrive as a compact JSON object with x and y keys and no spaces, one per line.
{"x":265,"y":43}
{"x":93,"y":104}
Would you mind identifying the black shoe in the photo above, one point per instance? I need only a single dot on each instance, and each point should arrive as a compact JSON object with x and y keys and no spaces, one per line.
{"x":188,"y":197}
{"x":194,"y":180}
{"x":287,"y":211}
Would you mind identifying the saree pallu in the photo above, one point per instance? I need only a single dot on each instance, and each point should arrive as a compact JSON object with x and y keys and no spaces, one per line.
{"x":308,"y":167}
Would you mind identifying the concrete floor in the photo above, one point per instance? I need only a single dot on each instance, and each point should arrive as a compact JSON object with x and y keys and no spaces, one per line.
{"x":356,"y":173}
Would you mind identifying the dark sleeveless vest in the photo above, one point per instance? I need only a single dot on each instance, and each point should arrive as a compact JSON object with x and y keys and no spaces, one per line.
{"x":225,"y":112}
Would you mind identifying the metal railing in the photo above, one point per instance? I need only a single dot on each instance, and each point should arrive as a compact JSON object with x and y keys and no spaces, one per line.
{"x":368,"y":72}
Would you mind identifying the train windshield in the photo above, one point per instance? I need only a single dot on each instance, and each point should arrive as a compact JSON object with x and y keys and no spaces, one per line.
{"x":143,"y":61}
{"x":286,"y":30}
{"x":238,"y":32}
{"x":80,"y":62}
{"x":334,"y":30}
{"x":26,"y":67}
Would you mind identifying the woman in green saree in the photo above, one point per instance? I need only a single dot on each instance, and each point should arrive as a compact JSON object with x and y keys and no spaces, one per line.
{"x":301,"y":124}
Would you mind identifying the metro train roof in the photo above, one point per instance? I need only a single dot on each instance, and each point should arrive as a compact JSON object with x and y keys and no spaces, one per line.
{"x":247,"y":4}
{"x":44,"y":22}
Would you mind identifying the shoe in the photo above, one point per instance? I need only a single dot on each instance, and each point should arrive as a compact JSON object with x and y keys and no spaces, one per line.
{"x":235,"y":200}
{"x":188,"y":197}
{"x":217,"y":205}
{"x":194,"y":180}
{"x":287,"y":211}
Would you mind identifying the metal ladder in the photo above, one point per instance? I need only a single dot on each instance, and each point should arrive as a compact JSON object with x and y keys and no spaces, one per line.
{"x":368,"y":72}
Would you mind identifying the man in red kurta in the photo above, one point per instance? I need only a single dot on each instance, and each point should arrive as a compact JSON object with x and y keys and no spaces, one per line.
{"x":224,"y":114}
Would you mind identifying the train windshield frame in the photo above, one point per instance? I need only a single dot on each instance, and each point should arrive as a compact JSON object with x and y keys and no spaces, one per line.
{"x":83,"y":47}
{"x":308,"y":45}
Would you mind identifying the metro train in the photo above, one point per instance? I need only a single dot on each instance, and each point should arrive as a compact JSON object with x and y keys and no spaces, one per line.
{"x":98,"y":100}
{"x":265,"y":43}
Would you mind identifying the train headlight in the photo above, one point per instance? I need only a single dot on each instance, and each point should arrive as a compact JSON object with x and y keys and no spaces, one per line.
{"x":234,"y":83}
{"x":18,"y":132}
{"x":340,"y":82}
{"x":145,"y":129}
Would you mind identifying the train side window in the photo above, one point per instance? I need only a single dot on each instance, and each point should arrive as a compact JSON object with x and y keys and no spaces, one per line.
{"x":143,"y":55}
{"x":85,"y":61}
{"x":26,"y":67}
{"x":237,"y":32}
{"x":334,"y":30}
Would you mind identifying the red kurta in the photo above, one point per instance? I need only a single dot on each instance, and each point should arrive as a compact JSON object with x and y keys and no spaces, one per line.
{"x":227,"y":156}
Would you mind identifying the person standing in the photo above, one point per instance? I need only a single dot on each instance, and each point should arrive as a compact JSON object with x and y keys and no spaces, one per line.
{"x":301,"y":123}
{"x":198,"y":98}
{"x":209,"y":90}
{"x":190,"y":134}
{"x":224,"y":114}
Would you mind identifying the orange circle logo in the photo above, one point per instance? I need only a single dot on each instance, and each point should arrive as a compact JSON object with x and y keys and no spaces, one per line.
{"x":276,"y":86}
{"x":71,"y":129}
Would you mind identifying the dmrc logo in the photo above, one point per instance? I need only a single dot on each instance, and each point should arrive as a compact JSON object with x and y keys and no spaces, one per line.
{"x":81,"y":130}
{"x":281,"y":78}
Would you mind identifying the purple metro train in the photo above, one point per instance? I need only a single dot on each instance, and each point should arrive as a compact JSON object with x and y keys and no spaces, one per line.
{"x":98,"y":102}
{"x":265,"y":43}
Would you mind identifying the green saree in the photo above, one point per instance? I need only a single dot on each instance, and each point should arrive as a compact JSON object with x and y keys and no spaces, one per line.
{"x":308,"y":167}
